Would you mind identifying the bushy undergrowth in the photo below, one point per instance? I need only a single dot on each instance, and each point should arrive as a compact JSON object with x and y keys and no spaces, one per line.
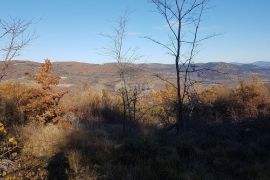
{"x":91,"y":107}
{"x":21,"y":104}
{"x":216,"y":152}
{"x":247,"y":101}
{"x":43,"y":141}
{"x":10,"y":93}
{"x":45,"y":134}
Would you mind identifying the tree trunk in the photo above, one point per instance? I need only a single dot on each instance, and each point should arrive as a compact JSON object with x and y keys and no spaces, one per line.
{"x":134,"y":111}
{"x":179,"y":113}
{"x":124,"y":115}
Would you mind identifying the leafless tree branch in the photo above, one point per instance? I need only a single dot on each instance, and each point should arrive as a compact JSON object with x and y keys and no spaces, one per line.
{"x":179,"y":14}
{"x":14,"y":37}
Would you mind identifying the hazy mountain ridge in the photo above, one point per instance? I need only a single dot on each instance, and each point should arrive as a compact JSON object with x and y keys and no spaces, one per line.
{"x":263,"y":64}
{"x":105,"y":75}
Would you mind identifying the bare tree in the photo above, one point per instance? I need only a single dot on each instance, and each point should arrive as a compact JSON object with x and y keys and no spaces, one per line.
{"x":14,"y":37}
{"x":125,"y":57}
{"x":183,"y":17}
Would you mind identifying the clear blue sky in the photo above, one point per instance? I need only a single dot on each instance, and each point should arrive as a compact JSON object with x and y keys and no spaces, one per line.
{"x":69,"y":29}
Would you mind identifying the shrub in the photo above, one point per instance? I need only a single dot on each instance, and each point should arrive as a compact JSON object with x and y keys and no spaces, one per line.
{"x":246,"y":101}
{"x":249,"y":100}
{"x":10,"y":93}
{"x":43,"y":141}
{"x":8,"y":151}
{"x":164,"y":107}
{"x":43,"y":104}
{"x":89,"y":106}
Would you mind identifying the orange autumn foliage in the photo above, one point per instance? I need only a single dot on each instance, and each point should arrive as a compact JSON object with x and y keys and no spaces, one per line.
{"x":249,"y":100}
{"x":44,"y":77}
{"x":42,"y":104}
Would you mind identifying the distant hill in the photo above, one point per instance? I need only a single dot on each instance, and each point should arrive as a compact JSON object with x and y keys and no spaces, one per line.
{"x":263,"y":64}
{"x":102,"y":76}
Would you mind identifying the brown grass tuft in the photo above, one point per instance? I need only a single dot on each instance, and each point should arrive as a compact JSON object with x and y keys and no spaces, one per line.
{"x":44,"y":141}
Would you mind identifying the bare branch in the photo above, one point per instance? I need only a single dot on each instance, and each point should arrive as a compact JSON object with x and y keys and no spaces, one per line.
{"x":14,"y":38}
{"x":171,"y":51}
{"x":185,"y":13}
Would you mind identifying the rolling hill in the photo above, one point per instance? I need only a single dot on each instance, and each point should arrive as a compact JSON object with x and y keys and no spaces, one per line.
{"x":105,"y":76}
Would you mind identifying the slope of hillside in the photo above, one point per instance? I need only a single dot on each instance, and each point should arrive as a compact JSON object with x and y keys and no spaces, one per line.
{"x":263,"y":64}
{"x":105,"y":75}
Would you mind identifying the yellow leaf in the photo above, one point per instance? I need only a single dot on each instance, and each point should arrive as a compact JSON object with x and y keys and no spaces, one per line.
{"x":12,"y":141}
{"x":2,"y":129}
{"x":4,"y":173}
{"x":14,"y":154}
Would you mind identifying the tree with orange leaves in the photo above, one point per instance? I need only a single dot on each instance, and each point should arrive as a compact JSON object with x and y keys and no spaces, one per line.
{"x":42,"y":104}
{"x":44,"y":77}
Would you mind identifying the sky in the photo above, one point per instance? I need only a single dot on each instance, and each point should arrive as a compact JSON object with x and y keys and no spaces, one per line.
{"x":69,"y":30}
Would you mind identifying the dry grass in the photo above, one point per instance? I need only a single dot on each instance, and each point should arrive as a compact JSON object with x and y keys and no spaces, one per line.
{"x":10,"y":93}
{"x":90,"y":106}
{"x":74,"y":158}
{"x":219,"y":152}
{"x":43,"y":141}
{"x":212,"y":151}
